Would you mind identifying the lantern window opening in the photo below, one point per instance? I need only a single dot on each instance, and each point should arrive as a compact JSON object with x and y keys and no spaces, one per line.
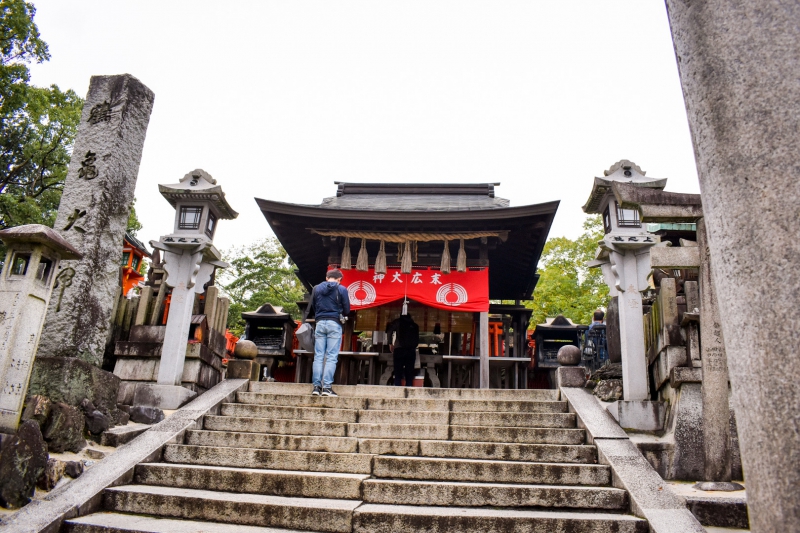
{"x":628,"y":218}
{"x":126,"y":257}
{"x":607,"y":220}
{"x":190,"y":217}
{"x":44,"y":269}
{"x":211,"y":224}
{"x":19,"y":265}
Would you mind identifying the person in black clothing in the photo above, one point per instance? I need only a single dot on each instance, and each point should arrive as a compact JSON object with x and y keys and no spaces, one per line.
{"x":404,"y":347}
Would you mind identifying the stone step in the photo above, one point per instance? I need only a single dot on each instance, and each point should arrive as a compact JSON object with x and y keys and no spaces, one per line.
{"x":251,"y":481}
{"x":371,"y":416}
{"x":398,"y":431}
{"x":126,"y":523}
{"x":235,"y":509}
{"x":289,"y":413}
{"x":539,"y":453}
{"x":407,"y":404}
{"x":401,"y":492}
{"x":117,"y":436}
{"x":473,"y":470}
{"x":538,"y":395}
{"x":379,"y":391}
{"x":347,"y":391}
{"x":508,"y":406}
{"x":517,"y":435}
{"x":348,"y":463}
{"x":305,"y":400}
{"x":279,"y":426}
{"x":309,"y":443}
{"x":534,"y":420}
{"x":377,"y":518}
{"x":389,"y":446}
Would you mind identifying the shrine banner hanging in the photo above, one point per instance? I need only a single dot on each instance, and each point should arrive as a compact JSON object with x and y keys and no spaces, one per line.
{"x":457,"y":291}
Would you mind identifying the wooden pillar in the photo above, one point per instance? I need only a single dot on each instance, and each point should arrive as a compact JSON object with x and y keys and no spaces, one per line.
{"x":483,"y":329}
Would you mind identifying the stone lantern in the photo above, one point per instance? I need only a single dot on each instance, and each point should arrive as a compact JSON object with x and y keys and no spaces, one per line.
{"x":189,"y":260}
{"x":624,"y":257}
{"x":31,"y":267}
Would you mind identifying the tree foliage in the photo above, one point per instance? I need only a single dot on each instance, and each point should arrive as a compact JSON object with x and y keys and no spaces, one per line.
{"x":133,"y":221}
{"x":37,"y":125}
{"x":260,"y":273}
{"x":566,"y":285}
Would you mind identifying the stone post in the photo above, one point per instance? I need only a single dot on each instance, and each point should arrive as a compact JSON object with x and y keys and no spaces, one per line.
{"x":93,"y":215}
{"x":483,"y":339}
{"x":739,"y":64}
{"x":189,"y":261}
{"x":34,"y":252}
{"x":634,"y":360}
{"x":716,"y":412}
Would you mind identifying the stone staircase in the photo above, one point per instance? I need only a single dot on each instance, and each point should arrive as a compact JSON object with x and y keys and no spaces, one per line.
{"x":375,"y":459}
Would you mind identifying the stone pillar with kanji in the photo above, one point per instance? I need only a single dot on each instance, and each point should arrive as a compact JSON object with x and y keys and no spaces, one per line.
{"x":26,"y":282}
{"x":93,"y":215}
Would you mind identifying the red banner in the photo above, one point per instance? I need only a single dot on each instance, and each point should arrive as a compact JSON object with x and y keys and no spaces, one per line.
{"x":457,"y":291}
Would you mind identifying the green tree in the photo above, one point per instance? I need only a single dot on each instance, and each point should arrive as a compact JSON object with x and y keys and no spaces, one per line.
{"x":37,"y":125}
{"x":133,"y":221}
{"x":566,"y":285}
{"x":260,"y":273}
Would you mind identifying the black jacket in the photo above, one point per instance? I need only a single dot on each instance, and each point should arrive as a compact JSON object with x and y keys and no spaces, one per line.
{"x":407,"y":332}
{"x":328,"y":300}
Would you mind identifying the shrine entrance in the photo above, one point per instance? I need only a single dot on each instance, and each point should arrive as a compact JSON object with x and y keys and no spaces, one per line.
{"x":460,"y":259}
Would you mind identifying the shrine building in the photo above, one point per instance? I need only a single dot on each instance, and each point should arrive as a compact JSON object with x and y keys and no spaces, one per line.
{"x":460,"y":257}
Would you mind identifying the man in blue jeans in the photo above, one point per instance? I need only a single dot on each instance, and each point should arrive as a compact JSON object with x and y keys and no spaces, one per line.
{"x":330,"y":301}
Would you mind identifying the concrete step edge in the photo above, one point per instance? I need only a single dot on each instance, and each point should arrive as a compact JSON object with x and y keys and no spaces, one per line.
{"x":468,"y":512}
{"x":330,"y":515}
{"x":490,"y":494}
{"x":121,"y":522}
{"x":265,"y":471}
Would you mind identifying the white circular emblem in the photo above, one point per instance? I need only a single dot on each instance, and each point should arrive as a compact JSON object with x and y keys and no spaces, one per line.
{"x":365,"y":289}
{"x":443,"y":295}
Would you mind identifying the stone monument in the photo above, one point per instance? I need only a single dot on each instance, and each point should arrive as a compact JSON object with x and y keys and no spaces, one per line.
{"x":34,"y":253}
{"x":189,"y":260}
{"x":93,"y":215}
{"x":739,"y":64}
{"x":624,"y":259}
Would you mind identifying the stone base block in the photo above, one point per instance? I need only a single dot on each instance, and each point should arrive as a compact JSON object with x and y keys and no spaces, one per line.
{"x":668,"y":359}
{"x":570,"y":376}
{"x":162,"y":396}
{"x":639,"y":415}
{"x":71,"y":380}
{"x":684,"y":374}
{"x":138,"y":369}
{"x":147,"y":334}
{"x":243,"y":369}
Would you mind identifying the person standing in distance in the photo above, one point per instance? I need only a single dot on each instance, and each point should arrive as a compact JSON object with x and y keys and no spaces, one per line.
{"x":403,"y":336}
{"x":331,"y":304}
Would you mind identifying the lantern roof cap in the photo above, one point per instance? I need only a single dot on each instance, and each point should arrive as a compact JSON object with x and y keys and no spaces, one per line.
{"x":198,"y":185}
{"x":623,"y":171}
{"x":39,"y":233}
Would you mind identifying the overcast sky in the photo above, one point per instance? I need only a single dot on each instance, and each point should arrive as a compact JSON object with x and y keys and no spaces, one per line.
{"x":278,"y":100}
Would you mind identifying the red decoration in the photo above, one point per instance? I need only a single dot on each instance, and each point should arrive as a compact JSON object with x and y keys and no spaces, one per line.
{"x":457,"y":291}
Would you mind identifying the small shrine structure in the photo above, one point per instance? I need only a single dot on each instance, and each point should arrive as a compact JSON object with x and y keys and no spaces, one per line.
{"x":133,"y":253}
{"x":446,"y":250}
{"x":272,"y":331}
